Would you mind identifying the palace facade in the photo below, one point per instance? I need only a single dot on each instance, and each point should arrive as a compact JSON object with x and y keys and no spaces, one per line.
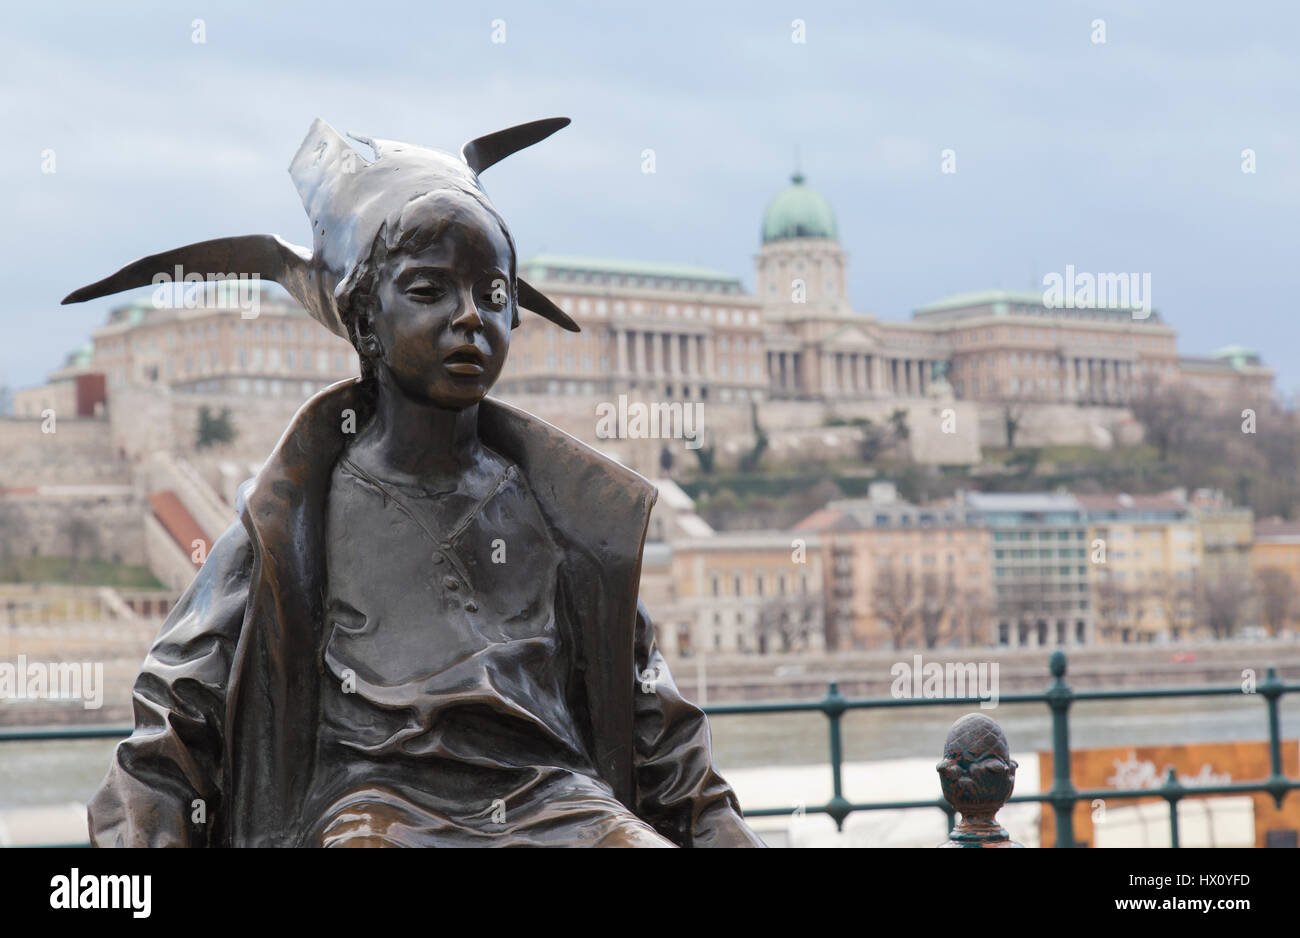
{"x":691,"y":333}
{"x":686,"y":332}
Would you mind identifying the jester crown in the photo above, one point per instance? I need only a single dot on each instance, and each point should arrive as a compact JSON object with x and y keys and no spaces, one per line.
{"x":348,"y":199}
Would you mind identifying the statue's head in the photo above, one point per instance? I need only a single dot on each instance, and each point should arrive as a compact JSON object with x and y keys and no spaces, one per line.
{"x":431,"y":306}
{"x":410,"y":261}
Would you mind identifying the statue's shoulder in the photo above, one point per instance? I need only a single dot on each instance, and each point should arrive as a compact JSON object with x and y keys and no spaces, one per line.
{"x":590,"y":499}
{"x":542,"y":449}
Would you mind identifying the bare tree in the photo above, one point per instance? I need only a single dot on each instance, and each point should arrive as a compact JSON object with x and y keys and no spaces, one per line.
{"x":1176,"y":598}
{"x":1113,"y":605}
{"x":972,"y":613}
{"x":892,"y":603}
{"x":11,"y":525}
{"x":1013,"y":414}
{"x":934,"y":609}
{"x":1167,"y":413}
{"x":1223,"y":600}
{"x":787,"y":622}
{"x":1277,"y":598}
{"x":82,"y":539}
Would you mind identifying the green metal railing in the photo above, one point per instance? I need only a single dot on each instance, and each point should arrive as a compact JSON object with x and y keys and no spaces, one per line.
{"x":1062,"y":796}
{"x":1059,"y":697}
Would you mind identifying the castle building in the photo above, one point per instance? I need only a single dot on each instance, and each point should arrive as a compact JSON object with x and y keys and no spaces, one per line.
{"x":663,"y":330}
{"x":677,"y":332}
{"x":218,"y":344}
{"x":74,"y":390}
{"x":693,"y":333}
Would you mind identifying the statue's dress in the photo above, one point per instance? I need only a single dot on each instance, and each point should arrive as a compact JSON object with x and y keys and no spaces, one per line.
{"x":400,"y":666}
{"x":447,"y":715}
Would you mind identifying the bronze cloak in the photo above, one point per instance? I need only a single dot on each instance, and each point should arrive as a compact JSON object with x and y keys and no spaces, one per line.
{"x":226,"y":703}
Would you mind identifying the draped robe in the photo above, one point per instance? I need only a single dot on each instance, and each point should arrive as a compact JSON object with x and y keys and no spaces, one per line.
{"x":228,"y":704}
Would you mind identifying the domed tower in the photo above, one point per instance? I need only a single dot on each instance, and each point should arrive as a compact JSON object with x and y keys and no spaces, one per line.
{"x":800,"y":265}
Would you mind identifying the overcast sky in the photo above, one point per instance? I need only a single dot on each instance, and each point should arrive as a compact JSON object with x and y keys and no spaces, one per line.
{"x":1115,"y":157}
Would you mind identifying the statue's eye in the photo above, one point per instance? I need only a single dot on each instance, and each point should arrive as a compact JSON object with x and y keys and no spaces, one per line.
{"x":496,"y":294}
{"x":426,"y":291}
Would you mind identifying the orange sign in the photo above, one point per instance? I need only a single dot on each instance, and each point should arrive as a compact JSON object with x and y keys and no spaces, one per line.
{"x":1138,"y":767}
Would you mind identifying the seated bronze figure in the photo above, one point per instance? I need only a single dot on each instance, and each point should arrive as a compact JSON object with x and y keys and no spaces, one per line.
{"x":424,"y":628}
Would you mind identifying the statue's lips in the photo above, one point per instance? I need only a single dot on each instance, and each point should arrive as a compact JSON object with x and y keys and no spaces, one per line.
{"x":465,"y":360}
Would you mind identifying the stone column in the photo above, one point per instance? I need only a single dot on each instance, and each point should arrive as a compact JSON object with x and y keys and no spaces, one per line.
{"x":863,"y":382}
{"x":620,"y":339}
{"x":674,"y":355}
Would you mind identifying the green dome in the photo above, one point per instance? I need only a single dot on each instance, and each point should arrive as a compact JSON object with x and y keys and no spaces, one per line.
{"x":798,"y":212}
{"x":1238,"y":356}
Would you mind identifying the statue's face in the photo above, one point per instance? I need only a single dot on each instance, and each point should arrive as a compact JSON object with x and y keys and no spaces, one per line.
{"x":446,"y":307}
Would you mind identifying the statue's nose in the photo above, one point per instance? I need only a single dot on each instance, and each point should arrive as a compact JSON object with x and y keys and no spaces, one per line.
{"x":467,"y":316}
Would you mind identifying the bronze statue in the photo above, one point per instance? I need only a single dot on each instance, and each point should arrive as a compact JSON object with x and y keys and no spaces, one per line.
{"x":424,"y":629}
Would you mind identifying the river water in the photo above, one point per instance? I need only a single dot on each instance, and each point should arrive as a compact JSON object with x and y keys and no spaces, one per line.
{"x":69,"y":771}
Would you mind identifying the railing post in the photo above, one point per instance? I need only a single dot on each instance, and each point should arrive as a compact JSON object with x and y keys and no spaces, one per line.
{"x":977,"y":775}
{"x":1272,"y":689}
{"x":1172,"y":791}
{"x":1063,"y":793}
{"x":951,"y":813}
{"x":833,"y":705}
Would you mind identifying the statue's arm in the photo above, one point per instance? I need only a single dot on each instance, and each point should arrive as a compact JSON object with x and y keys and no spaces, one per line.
{"x":173,"y":758}
{"x":678,"y":791}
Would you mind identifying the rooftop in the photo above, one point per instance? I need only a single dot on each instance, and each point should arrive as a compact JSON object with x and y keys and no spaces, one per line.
{"x":826,"y":519}
{"x":1163,"y":508}
{"x":563,"y":266}
{"x":1270,"y":529}
{"x":1165,"y":501}
{"x":1020,"y":302}
{"x":1021,"y":501}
